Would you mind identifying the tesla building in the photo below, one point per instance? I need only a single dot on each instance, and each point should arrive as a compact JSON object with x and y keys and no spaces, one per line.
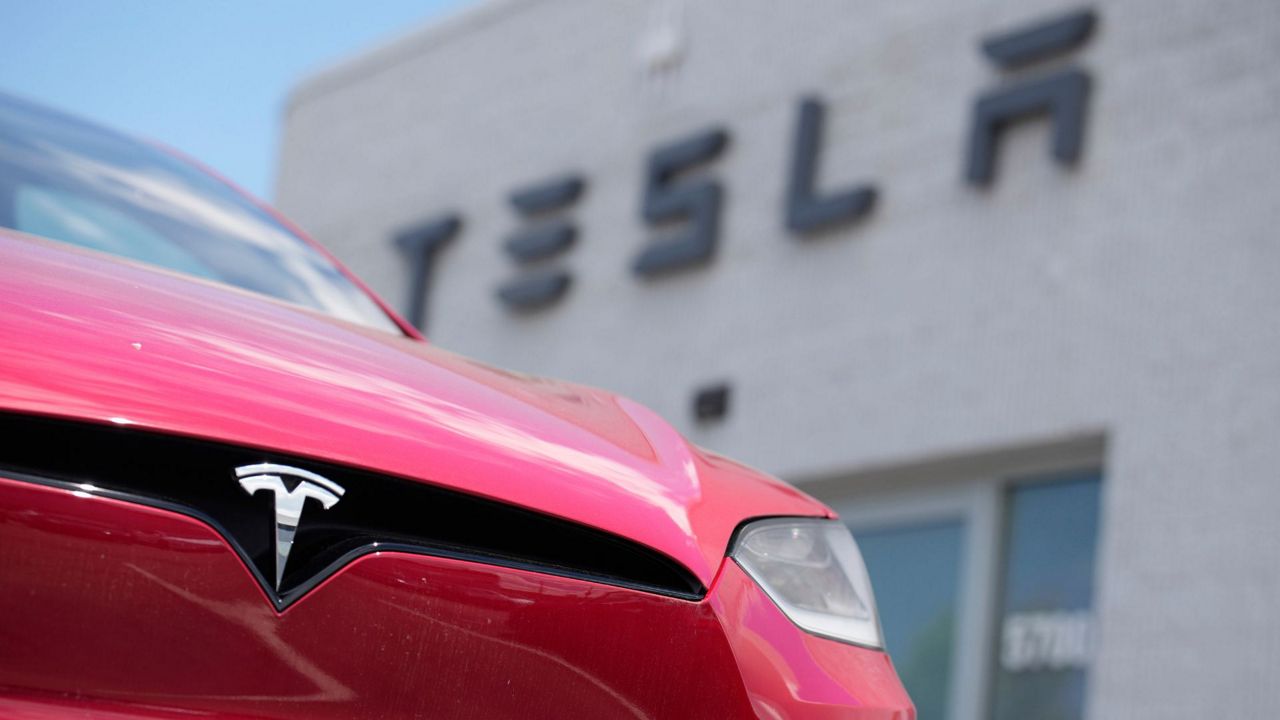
{"x":997,"y":280}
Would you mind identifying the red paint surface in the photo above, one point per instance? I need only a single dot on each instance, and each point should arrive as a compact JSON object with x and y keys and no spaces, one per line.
{"x":91,"y":337}
{"x":792,"y":674}
{"x":112,"y":610}
{"x":130,"y":605}
{"x":117,"y":610}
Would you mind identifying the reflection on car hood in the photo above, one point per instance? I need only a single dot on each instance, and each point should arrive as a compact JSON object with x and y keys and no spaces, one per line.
{"x":95,"y":338}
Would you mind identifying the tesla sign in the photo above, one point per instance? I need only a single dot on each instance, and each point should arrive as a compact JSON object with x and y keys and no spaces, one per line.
{"x":681,"y":197}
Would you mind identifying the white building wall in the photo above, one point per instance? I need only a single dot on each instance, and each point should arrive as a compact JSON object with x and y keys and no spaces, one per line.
{"x":1133,"y":297}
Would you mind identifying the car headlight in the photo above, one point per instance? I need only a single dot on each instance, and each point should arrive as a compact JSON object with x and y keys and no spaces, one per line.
{"x":813,"y":571}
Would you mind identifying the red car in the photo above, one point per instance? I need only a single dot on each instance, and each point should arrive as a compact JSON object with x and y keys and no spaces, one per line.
{"x":234,"y":484}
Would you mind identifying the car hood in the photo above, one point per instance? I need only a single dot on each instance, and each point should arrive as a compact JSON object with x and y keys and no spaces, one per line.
{"x":95,"y":338}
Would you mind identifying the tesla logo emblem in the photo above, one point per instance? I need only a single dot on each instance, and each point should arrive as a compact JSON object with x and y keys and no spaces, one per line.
{"x":266,"y":476}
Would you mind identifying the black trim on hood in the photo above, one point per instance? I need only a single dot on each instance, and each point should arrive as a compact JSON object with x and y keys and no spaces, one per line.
{"x":375,"y":513}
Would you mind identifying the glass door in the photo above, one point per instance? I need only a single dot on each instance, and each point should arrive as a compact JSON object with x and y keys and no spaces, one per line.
{"x":1046,"y":604}
{"x":985,"y":589}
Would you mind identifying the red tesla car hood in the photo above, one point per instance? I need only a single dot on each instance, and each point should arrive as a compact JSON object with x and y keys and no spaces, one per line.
{"x":94,"y":338}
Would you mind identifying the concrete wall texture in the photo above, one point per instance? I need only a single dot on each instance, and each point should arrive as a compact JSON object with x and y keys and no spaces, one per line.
{"x":1133,"y":297}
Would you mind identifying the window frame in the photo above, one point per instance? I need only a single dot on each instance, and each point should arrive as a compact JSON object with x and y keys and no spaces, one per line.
{"x":973,"y":489}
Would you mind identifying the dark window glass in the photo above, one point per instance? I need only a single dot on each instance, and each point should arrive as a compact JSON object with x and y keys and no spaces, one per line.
{"x":67,"y":180}
{"x":915,"y":570}
{"x":1046,"y":618}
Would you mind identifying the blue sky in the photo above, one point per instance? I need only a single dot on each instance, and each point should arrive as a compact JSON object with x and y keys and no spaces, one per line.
{"x":208,"y":77}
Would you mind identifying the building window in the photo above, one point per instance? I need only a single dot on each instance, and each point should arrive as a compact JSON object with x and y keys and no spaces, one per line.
{"x":1046,"y":619}
{"x":916,"y":570}
{"x":985,"y":589}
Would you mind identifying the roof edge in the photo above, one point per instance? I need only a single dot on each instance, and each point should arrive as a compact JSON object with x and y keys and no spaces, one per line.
{"x":398,"y":48}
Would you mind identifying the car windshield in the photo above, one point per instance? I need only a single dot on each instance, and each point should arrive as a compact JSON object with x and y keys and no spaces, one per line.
{"x":68,"y":180}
